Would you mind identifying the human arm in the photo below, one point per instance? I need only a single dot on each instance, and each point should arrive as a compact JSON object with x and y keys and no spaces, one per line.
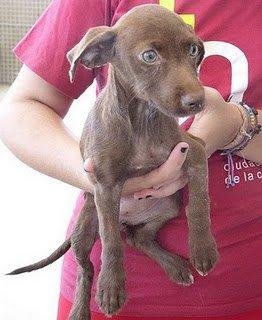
{"x":32,"y":128}
{"x":219,"y":124}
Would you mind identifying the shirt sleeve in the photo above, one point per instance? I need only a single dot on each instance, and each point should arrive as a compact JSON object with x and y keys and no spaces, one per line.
{"x":61,"y":26}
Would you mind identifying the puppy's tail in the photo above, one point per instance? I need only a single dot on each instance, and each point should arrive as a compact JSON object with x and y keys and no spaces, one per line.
{"x":59,"y":252}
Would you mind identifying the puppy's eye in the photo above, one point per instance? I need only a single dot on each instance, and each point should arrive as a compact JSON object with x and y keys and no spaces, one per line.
{"x":193,"y":50}
{"x":149,"y":56}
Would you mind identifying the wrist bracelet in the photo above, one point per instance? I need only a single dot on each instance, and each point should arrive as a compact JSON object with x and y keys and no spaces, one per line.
{"x":247,"y":131}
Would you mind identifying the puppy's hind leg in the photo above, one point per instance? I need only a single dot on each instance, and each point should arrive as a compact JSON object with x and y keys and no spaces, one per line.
{"x":83,"y":238}
{"x":143,"y":237}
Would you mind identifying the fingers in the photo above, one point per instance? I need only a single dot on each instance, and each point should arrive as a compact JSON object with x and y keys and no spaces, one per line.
{"x":213,"y":96}
{"x":168,"y":181}
{"x":164,"y":191}
{"x":171,"y":169}
{"x":161,"y":182}
{"x":170,"y":189}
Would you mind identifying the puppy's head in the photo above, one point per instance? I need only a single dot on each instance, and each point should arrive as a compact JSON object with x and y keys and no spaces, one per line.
{"x":153,"y":52}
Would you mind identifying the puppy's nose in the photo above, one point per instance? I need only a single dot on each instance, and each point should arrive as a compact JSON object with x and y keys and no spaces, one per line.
{"x":193,"y":101}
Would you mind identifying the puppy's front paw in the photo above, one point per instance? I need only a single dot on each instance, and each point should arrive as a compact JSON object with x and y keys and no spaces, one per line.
{"x":203,"y":254}
{"x":111,"y":293}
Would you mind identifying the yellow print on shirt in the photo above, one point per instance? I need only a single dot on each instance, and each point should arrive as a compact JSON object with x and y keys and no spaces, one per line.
{"x":170,"y":4}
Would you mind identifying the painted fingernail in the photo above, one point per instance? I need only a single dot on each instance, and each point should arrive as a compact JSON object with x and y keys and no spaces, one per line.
{"x":183,"y":150}
{"x":149,"y":196}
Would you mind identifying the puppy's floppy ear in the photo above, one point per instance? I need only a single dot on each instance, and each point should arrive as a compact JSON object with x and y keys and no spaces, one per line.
{"x":94,"y":50}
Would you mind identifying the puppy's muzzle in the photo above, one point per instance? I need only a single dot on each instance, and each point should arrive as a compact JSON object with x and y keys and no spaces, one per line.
{"x":193,"y":102}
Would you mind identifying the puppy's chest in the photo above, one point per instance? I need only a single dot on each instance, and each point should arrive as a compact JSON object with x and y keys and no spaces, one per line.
{"x":154,"y":136}
{"x":148,"y":154}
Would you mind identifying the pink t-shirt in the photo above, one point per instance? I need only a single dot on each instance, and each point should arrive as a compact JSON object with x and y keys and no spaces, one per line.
{"x":232,"y":34}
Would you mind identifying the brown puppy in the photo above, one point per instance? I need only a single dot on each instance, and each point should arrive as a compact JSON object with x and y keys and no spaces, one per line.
{"x":130,"y":131}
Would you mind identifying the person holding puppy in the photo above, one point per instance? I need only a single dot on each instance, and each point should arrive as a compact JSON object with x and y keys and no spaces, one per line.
{"x":41,"y":96}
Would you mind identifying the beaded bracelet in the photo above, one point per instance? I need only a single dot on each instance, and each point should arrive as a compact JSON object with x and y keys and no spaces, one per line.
{"x":247,"y":131}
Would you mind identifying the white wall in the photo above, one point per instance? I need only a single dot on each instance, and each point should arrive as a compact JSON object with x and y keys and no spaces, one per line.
{"x":34,"y":213}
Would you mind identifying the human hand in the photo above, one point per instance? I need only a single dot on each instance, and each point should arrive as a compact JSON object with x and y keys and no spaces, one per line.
{"x":161,"y":182}
{"x":219,"y":122}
